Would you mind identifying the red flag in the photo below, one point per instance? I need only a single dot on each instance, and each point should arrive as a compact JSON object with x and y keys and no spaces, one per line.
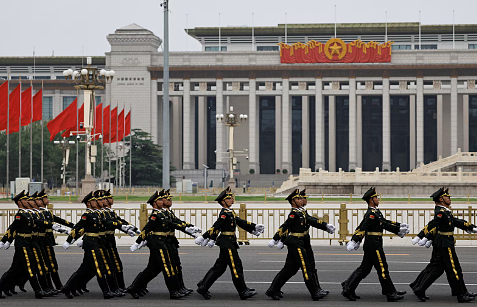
{"x":15,"y":110}
{"x":26,"y":107}
{"x":98,"y":122}
{"x":73,"y":127}
{"x":3,"y":105}
{"x":106,"y":120}
{"x":38,"y":106}
{"x":128,"y":124}
{"x":114,"y":121}
{"x":120,"y":129}
{"x":63,"y":120}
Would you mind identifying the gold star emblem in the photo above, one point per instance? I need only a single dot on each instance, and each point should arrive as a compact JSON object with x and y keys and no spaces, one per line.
{"x":335,"y":49}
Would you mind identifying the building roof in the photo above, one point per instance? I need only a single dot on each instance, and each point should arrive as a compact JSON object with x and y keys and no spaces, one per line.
{"x":394,"y":28}
{"x":51,"y":60}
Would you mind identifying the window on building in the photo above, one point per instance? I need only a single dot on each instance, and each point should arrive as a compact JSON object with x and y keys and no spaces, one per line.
{"x":426,"y":47}
{"x":47,"y":107}
{"x":401,"y":47}
{"x":342,"y":132}
{"x":430,"y":129}
{"x":400,"y":133}
{"x":267,"y":48}
{"x":267,"y":135}
{"x":296,"y":134}
{"x":215,"y":48}
{"x":312,"y":135}
{"x":67,"y":100}
{"x":372,"y":132}
{"x":472,"y":46}
{"x":211,"y":132}
{"x":472,"y":123}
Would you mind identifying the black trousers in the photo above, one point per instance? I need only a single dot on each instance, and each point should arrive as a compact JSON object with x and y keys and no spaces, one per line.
{"x":110,"y":265}
{"x":228,"y":257}
{"x":297,"y":258}
{"x":372,"y":258}
{"x":24,"y":264}
{"x":446,"y":260}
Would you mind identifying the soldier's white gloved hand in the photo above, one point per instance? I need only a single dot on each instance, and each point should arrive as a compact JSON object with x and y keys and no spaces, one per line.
{"x":474,"y":230}
{"x":260,"y":228}
{"x":142,"y":244}
{"x":197,"y":229}
{"x":7,"y":245}
{"x":1,"y":245}
{"x":423,"y":241}
{"x":130,"y":227}
{"x":138,"y":232}
{"x":73,"y":241}
{"x":56,"y":227}
{"x":205,"y":242}
{"x":134,"y":247}
{"x":199,"y":240}
{"x":190,"y":230}
{"x":415,"y":240}
{"x":131,"y":233}
{"x":330,"y":228}
{"x":125,"y":228}
{"x":429,"y":243}
{"x":351,"y":246}
{"x":79,"y":243}
{"x":256,"y":233}
{"x":272,"y":243}
{"x":280,"y":245}
{"x":63,"y":230}
{"x":403,"y":230}
{"x":195,"y":234}
{"x":356,"y":245}
{"x":66,"y":245}
{"x":211,"y":243}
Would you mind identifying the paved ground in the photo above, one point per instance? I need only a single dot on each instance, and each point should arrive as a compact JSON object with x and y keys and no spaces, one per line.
{"x":261,"y":264}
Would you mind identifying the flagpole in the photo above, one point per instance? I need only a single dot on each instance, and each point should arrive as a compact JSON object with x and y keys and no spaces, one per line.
{"x":8,"y":134}
{"x":220,"y":36}
{"x":130,"y":149}
{"x":335,"y":20}
{"x":102,"y":141}
{"x":419,"y":30}
{"x":386,"y":32}
{"x":77,"y":144}
{"x":253,"y":33}
{"x":20,"y":132}
{"x":117,"y":119}
{"x":124,"y":149}
{"x":31,"y":132}
{"x":109,"y":144}
{"x":453,"y":30}
{"x":286,"y":29}
{"x":42,"y":133}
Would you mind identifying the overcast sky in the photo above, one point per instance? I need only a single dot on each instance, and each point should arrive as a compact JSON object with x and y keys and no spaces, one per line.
{"x":65,"y":26}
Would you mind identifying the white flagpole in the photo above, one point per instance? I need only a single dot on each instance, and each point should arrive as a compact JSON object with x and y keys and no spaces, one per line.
{"x":109,"y":144}
{"x":453,"y":30}
{"x":20,"y":132}
{"x":386,"y":32}
{"x":8,"y":134}
{"x":419,"y":30}
{"x":124,"y":148}
{"x":117,"y":120}
{"x":286,"y":29}
{"x":130,"y":149}
{"x":102,"y":141}
{"x":253,"y":33}
{"x":42,"y":132}
{"x":77,"y":144}
{"x":335,"y":20}
{"x":220,"y":36}
{"x":31,"y":132}
{"x":187,"y":30}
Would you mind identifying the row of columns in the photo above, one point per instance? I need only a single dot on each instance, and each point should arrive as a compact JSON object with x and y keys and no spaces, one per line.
{"x":283,"y":114}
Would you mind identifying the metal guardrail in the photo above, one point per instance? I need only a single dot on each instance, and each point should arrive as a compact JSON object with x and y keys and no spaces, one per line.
{"x":345,"y":219}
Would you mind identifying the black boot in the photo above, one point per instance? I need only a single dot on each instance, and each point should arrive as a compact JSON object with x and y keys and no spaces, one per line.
{"x":420,"y":295}
{"x":182,"y":286}
{"x":247,"y":294}
{"x":393,"y":297}
{"x":273,"y":295}
{"x":463,"y":298}
{"x":39,"y":294}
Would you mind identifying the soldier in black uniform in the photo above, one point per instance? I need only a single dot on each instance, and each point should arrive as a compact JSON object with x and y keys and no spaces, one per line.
{"x":299,"y":203}
{"x":24,"y":260}
{"x":156,"y":232}
{"x":89,"y":227}
{"x":371,"y":228}
{"x":445,"y":258}
{"x":226,"y":225}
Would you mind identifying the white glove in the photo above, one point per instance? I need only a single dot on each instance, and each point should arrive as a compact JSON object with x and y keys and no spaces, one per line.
{"x":280,"y":245}
{"x":474,"y":230}
{"x":142,"y":244}
{"x":415,"y":240}
{"x":260,"y":228}
{"x":79,"y":243}
{"x":130,"y":227}
{"x":1,"y":245}
{"x":256,"y":233}
{"x":404,"y":225}
{"x":125,"y":228}
{"x":66,"y":245}
{"x":330,"y":228}
{"x":131,"y":233}
{"x":272,"y":243}
{"x":351,"y":246}
{"x":197,"y":229}
{"x":73,"y":241}
{"x":134,"y":247}
{"x":190,"y":230}
{"x":211,"y":243}
{"x":403,"y":230}
{"x":7,"y":245}
{"x":423,"y":242}
{"x":206,"y":241}
{"x":56,"y":227}
{"x":356,"y":245}
{"x":429,"y":243}
{"x":195,"y":234}
{"x":199,"y":240}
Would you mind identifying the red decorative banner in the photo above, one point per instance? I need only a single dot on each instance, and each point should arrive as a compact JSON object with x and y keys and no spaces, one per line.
{"x":336,"y":51}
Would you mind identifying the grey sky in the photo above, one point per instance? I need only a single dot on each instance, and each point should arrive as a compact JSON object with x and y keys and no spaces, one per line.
{"x":65,"y":26}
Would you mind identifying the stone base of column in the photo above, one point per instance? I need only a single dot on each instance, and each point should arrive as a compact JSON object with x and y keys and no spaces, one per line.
{"x":188,"y":165}
{"x":288,"y":167}
{"x":255,"y":166}
{"x":88,"y":184}
{"x":352,"y":165}
{"x":386,"y":165}
{"x":319,"y":165}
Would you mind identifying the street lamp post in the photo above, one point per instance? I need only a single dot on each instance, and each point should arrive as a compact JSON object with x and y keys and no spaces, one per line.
{"x":232,"y":120}
{"x":66,"y":154}
{"x":89,"y":79}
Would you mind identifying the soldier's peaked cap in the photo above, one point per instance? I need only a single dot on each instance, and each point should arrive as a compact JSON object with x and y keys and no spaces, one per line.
{"x":152,"y":198}
{"x":108,"y":194}
{"x":294,"y":194}
{"x":19,"y":196}
{"x":42,"y":194}
{"x":439,"y":193}
{"x":34,"y":196}
{"x":370,"y":194}
{"x":303,"y":193}
{"x":88,"y":197}
{"x":227,"y":193}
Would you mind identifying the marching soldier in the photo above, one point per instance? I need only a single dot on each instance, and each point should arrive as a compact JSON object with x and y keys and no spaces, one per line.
{"x":299,"y":203}
{"x":226,"y":225}
{"x":293,"y":233}
{"x":371,"y":229}
{"x":441,"y":232}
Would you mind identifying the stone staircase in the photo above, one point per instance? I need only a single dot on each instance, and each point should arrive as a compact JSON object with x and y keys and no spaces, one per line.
{"x":262,"y":180}
{"x":451,"y":163}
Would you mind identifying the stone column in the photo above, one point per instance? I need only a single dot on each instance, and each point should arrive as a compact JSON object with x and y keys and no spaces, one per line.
{"x":386,"y":126}
{"x":305,"y":135}
{"x":286,"y":127}
{"x":176,"y":130}
{"x":453,"y":116}
{"x":188,"y":135}
{"x":420,"y":122}
{"x":57,"y":104}
{"x":332,"y":134}
{"x":352,"y":124}
{"x":440,"y":126}
{"x":412,"y":131}
{"x":278,"y":132}
{"x":465,"y":123}
{"x":359,"y":131}
{"x":320,"y":126}
{"x":219,"y":130}
{"x":202,"y":131}
{"x":253,"y":117}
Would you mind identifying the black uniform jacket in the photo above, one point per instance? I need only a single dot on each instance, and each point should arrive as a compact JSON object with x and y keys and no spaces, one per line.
{"x":50,"y":217}
{"x":172,"y":238}
{"x":157,"y":229}
{"x":25,"y":223}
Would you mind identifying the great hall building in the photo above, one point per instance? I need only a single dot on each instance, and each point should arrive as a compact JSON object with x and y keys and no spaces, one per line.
{"x":391,"y":105}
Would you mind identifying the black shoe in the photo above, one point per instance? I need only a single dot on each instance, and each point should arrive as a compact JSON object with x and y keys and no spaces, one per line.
{"x":204,"y":293}
{"x":463,"y":298}
{"x":118,"y":293}
{"x":7,"y":293}
{"x":401,"y":292}
{"x":39,"y":294}
{"x":317,"y":296}
{"x":22,"y":289}
{"x":394,"y":297}
{"x":1,"y":295}
{"x":420,"y":295}
{"x":471,"y":294}
{"x":187,"y":290}
{"x":79,"y":291}
{"x":323,"y":292}
{"x":247,"y":294}
{"x":74,"y":293}
{"x":348,"y":295}
{"x":274,"y":296}
{"x":85,"y":290}
{"x":13,"y":291}
{"x":67,"y":293}
{"x":108,"y":295}
{"x":134,"y":295}
{"x":280,"y":294}
{"x":250,"y":289}
{"x":145,"y":290}
{"x":175,"y":295}
{"x":355,"y":296}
